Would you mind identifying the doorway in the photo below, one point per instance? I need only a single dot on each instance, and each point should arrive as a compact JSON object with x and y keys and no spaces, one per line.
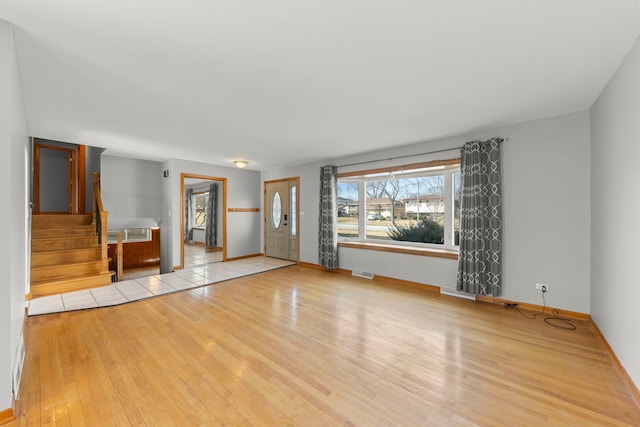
{"x":281,"y":218}
{"x":203,"y":220}
{"x":54,"y":179}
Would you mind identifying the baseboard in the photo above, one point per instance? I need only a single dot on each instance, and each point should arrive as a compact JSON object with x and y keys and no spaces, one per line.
{"x":7,"y":416}
{"x":631,"y":386}
{"x":376,"y":278}
{"x":534,"y":307}
{"x":319,"y":267}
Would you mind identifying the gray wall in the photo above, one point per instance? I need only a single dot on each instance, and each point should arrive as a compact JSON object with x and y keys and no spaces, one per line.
{"x":243,"y":191}
{"x":546,"y":212}
{"x":615,"y":212}
{"x":93,"y":156}
{"x":54,"y":180}
{"x":131,"y":188}
{"x":14,"y":220}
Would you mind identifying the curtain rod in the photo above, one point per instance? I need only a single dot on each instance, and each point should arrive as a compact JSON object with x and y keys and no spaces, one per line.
{"x":412,"y":155}
{"x":399,"y":157}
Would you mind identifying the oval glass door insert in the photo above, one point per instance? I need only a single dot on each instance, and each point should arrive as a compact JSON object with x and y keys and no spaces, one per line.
{"x":276,"y":209}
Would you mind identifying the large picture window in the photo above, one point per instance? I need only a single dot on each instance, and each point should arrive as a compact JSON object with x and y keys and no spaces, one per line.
{"x":415,"y":205}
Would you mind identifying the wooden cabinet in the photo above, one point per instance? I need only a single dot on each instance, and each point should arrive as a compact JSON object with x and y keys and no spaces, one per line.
{"x":139,"y":254}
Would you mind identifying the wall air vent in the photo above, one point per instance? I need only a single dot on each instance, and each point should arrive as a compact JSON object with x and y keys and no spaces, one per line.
{"x":364,"y":274}
{"x":456,"y":293}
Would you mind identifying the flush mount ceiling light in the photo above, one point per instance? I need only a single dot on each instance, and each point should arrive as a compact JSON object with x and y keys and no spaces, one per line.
{"x":241,"y":163}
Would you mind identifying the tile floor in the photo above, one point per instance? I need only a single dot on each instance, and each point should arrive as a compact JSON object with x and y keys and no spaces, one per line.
{"x":147,"y":287}
{"x":198,"y":254}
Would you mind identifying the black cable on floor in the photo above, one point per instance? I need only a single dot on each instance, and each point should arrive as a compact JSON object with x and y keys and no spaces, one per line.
{"x":568,"y":323}
{"x":564,"y":322}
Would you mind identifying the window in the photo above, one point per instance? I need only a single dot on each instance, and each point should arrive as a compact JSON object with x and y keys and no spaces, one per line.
{"x":348,"y":206}
{"x":414,"y":205}
{"x":293,"y":202}
{"x":129,"y":235}
{"x":201,"y":201}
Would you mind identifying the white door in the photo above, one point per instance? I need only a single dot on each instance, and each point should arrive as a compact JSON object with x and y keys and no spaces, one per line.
{"x":281,"y":219}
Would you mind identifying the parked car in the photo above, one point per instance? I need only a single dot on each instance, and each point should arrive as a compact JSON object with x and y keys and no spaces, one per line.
{"x":374,"y":217}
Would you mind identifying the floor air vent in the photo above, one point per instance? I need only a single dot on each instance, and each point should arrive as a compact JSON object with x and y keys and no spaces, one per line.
{"x":364,"y":274}
{"x":456,"y":293}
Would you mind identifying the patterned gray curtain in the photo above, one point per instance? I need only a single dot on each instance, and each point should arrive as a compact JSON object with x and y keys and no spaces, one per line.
{"x":480,"y":258}
{"x":211,"y":232}
{"x":327,"y":224}
{"x":189,"y":215}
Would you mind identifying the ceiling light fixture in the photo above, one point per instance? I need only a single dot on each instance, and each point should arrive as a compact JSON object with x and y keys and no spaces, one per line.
{"x":241,"y":163}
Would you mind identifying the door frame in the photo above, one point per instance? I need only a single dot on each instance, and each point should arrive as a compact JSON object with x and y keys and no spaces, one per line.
{"x":71,"y":179}
{"x":296,"y":180}
{"x":184,"y":175}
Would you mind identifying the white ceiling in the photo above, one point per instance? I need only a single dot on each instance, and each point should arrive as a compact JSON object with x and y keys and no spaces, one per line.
{"x":282,"y":82}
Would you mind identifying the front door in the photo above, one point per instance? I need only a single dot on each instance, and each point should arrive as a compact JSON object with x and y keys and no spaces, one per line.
{"x":281,"y":218}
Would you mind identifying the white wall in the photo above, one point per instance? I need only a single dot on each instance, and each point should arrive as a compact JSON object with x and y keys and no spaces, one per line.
{"x":131,"y":188}
{"x":615,"y":210}
{"x":14,"y":220}
{"x":243,"y":191}
{"x":546,"y":212}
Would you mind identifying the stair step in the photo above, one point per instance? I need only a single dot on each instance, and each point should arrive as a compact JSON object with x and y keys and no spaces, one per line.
{"x":68,"y":231}
{"x":52,"y":272}
{"x":60,"y":220}
{"x":70,"y":284}
{"x":65,"y":256}
{"x":55,"y":243}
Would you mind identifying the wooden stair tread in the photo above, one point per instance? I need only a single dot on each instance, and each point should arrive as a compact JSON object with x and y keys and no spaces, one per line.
{"x":49,"y":220}
{"x":41,"y":288}
{"x":67,"y":251}
{"x":70,"y":230}
{"x":67,"y":264}
{"x":64,"y":256}
{"x":38,"y":283}
{"x":62,"y":270}
{"x":43,"y":244}
{"x":60,"y":238}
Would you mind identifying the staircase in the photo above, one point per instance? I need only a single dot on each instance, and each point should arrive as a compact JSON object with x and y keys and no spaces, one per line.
{"x":65,"y":255}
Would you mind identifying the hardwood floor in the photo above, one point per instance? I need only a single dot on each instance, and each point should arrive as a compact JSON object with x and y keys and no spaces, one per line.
{"x":299,"y":346}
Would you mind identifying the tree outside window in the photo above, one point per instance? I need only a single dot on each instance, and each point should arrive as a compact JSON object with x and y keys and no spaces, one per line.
{"x":416,"y":206}
{"x":201,"y":202}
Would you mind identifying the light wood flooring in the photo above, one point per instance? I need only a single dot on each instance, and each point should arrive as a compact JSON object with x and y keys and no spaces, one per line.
{"x":300,"y":346}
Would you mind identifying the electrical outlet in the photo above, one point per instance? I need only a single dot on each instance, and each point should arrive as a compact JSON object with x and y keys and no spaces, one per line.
{"x":542,"y":287}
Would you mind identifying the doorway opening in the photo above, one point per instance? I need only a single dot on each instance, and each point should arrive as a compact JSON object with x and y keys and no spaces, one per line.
{"x":203,"y":220}
{"x":282,"y":218}
{"x":54,"y":179}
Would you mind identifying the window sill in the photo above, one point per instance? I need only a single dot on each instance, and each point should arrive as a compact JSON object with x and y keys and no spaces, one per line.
{"x":430,"y":252}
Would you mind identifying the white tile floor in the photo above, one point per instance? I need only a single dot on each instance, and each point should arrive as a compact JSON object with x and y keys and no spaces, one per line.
{"x":147,"y":287}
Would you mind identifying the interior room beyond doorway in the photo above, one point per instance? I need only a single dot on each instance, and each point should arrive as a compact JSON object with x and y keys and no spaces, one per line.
{"x":202,"y":220}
